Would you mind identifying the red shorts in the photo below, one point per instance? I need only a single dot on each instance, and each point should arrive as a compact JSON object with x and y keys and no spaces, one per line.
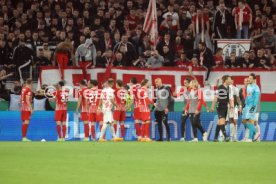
{"x":119,"y":115}
{"x":62,"y":59}
{"x":84,"y":116}
{"x":95,"y":117}
{"x":145,"y":116}
{"x":136,"y":114}
{"x":61,"y":115}
{"x":25,"y":115}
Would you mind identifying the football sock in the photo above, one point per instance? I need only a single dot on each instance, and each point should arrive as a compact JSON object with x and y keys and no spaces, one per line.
{"x":122,"y":130}
{"x":147,"y":131}
{"x":93,"y":131}
{"x":24,"y":129}
{"x":112,"y":131}
{"x":217,"y":132}
{"x":222,"y":127}
{"x":232,"y":131}
{"x":59,"y":131}
{"x":86,"y":130}
{"x":143,"y":130}
{"x":115,"y":127}
{"x":138,"y":129}
{"x":64,"y":131}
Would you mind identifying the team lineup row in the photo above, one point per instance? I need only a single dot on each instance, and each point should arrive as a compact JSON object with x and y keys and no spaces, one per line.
{"x":108,"y":107}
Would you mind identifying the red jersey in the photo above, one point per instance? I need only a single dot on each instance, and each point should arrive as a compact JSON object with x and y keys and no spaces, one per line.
{"x":246,"y":12}
{"x":94,"y":100}
{"x":218,"y":60}
{"x":120,"y":99}
{"x":144,"y":100}
{"x":132,"y":21}
{"x":26,"y":92}
{"x":61,"y":99}
{"x":84,"y":94}
{"x":182,"y":63}
{"x":134,"y":94}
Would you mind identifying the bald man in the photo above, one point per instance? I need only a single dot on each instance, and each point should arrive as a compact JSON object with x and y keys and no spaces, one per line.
{"x":161,"y":110}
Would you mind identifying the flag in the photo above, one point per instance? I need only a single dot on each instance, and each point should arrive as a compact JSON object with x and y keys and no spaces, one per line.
{"x":150,"y":25}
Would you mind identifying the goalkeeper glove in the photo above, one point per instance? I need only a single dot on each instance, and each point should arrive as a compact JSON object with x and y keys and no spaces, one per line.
{"x":252,"y":109}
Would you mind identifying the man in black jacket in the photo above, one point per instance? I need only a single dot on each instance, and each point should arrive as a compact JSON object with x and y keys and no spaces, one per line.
{"x":23,"y":58}
{"x":222,"y":21}
{"x":205,"y":58}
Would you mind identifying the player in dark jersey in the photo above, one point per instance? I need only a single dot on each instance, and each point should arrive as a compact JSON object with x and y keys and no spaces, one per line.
{"x":222,"y":99}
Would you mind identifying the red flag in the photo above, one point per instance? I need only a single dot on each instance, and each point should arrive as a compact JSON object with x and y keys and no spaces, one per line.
{"x":150,"y":25}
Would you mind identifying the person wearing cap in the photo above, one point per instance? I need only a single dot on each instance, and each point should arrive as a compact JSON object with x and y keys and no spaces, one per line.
{"x":85,"y":57}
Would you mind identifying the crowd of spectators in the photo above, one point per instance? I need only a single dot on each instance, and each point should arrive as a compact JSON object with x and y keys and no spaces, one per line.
{"x":31,"y":29}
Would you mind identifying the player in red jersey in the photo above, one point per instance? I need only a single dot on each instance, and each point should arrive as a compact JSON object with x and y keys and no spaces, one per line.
{"x":144,"y":103}
{"x":26,"y":108}
{"x":83,"y":103}
{"x":61,"y":97}
{"x":93,"y":104}
{"x":136,"y":111}
{"x":121,"y":108}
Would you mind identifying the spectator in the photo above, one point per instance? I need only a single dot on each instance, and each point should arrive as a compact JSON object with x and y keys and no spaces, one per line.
{"x":119,"y":60}
{"x":106,"y":59}
{"x":47,"y":53}
{"x":246,"y":62}
{"x":261,"y":60}
{"x":183,"y":61}
{"x":171,"y":13}
{"x":194,"y":64}
{"x":3,"y":77}
{"x":62,"y":55}
{"x":243,"y":19}
{"x":128,"y":49}
{"x":232,"y":61}
{"x":222,"y":21}
{"x":23,"y":58}
{"x":206,"y":59}
{"x":85,"y":57}
{"x":166,"y":42}
{"x":142,"y":60}
{"x":168,"y":56}
{"x":270,"y":40}
{"x":218,"y":58}
{"x":184,"y":21}
{"x":169,"y":25}
{"x":155,"y":61}
{"x":178,"y":46}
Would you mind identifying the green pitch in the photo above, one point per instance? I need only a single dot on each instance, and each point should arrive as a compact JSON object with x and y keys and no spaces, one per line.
{"x":137,"y":163}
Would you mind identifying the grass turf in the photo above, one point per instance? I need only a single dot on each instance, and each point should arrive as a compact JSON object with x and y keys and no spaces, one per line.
{"x":137,"y":163}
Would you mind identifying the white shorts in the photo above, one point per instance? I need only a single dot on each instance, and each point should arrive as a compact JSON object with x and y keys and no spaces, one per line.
{"x":107,"y":117}
{"x":234,"y":113}
{"x":257,"y":114}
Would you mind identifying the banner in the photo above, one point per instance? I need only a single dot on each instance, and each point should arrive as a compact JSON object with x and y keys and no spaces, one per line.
{"x":43,"y":126}
{"x":173,"y":77}
{"x":237,"y":46}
